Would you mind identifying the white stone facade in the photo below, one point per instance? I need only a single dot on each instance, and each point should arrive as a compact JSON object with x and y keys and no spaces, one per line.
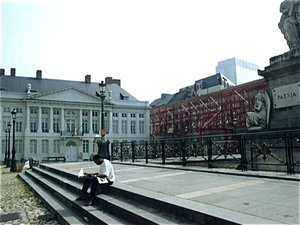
{"x":66,"y":121}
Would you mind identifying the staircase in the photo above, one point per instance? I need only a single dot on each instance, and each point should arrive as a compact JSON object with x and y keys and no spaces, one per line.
{"x":123,"y":205}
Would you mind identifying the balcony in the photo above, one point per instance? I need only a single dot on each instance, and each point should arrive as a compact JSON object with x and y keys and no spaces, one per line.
{"x":74,"y":134}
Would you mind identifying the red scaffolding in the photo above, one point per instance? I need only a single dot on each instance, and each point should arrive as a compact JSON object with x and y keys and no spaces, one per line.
{"x":212,"y":112}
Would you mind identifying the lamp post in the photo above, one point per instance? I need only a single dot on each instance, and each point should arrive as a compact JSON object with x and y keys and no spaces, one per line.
{"x":234,"y":122}
{"x":103,"y":144}
{"x":13,"y":167}
{"x":5,"y":158}
{"x":8,"y":148}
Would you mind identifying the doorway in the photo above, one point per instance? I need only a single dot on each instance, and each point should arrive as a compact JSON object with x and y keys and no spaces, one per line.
{"x":71,"y":152}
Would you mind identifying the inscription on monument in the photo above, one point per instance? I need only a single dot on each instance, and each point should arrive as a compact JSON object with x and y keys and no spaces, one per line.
{"x":286,"y":96}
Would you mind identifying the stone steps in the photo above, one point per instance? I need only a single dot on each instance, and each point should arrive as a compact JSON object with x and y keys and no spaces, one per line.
{"x":59,"y":189}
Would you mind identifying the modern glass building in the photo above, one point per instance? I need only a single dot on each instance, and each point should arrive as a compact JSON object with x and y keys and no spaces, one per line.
{"x":238,"y":71}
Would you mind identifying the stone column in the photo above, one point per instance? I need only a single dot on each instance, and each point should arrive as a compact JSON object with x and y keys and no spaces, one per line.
{"x":110,"y":122}
{"x":27,"y":130}
{"x":91,"y":122}
{"x":62,"y":118}
{"x":51,"y":121}
{"x":80,"y":123}
{"x":128,"y":123}
{"x":39,"y":130}
{"x":137,"y":119}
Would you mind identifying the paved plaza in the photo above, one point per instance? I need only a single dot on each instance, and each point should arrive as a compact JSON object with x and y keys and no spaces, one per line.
{"x":272,"y":196}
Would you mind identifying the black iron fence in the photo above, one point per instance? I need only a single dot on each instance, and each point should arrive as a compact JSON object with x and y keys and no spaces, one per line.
{"x":260,"y":151}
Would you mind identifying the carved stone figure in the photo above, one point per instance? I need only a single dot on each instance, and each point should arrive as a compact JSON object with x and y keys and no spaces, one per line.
{"x":260,"y":117}
{"x":290,"y":22}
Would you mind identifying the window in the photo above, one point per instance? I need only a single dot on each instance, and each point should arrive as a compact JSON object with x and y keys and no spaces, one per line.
{"x":141,"y":115}
{"x":95,"y":113}
{"x":45,"y":146}
{"x":132,"y":127}
{"x":56,"y":146}
{"x":6,"y":110}
{"x":124,"y":115}
{"x":141,"y":127}
{"x":85,"y":126}
{"x":124,"y":127}
{"x":33,"y":125}
{"x":19,"y":124}
{"x":70,"y":125}
{"x":33,"y":146}
{"x":55,"y":111}
{"x":115,"y":114}
{"x":45,"y":125}
{"x":45,"y":111}
{"x":19,"y":146}
{"x":95,"y":126}
{"x":19,"y":110}
{"x":115,"y":126}
{"x":132,"y":115}
{"x":6,"y":120}
{"x":85,"y":113}
{"x":33,"y":110}
{"x":3,"y":146}
{"x":85,"y":146}
{"x":56,"y":125}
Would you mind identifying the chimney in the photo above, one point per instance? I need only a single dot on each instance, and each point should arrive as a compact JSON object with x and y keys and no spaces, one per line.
{"x":88,"y":79}
{"x":38,"y":74}
{"x":109,"y":80}
{"x":2,"y":72}
{"x":13,"y":72}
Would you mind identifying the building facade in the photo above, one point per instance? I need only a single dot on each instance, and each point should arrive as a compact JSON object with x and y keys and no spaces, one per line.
{"x":238,"y":71}
{"x":63,"y":118}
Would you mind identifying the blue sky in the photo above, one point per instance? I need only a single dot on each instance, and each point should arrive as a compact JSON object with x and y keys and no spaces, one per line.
{"x":153,"y":46}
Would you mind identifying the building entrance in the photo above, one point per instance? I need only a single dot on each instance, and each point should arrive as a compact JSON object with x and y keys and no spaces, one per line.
{"x":71,"y":152}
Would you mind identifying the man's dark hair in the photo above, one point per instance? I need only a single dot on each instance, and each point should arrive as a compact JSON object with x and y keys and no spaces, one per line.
{"x":96,"y":157}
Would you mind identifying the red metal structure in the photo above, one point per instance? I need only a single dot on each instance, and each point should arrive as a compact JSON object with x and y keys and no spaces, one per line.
{"x":207,"y":113}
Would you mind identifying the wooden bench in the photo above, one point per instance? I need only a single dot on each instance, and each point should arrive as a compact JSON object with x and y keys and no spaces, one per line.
{"x":54,"y":159}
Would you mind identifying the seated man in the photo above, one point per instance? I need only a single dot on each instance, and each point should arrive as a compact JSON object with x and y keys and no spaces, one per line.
{"x":106,"y":171}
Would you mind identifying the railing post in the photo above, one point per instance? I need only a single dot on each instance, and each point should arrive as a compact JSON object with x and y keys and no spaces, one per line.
{"x":209,"y":153}
{"x":163,"y":155}
{"x":146,"y":149}
{"x":121,"y":152}
{"x":133,"y":148}
{"x":183,"y":153}
{"x":242,"y":151}
{"x":289,"y":153}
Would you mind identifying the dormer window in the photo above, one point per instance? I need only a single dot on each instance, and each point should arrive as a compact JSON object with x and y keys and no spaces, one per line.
{"x":124,"y":97}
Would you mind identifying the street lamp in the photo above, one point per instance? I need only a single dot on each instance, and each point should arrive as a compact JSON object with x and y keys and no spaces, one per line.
{"x":13,"y":167}
{"x":234,"y":122}
{"x":5,"y":158}
{"x":8,"y":149}
{"x":103,"y":144}
{"x":102,"y":87}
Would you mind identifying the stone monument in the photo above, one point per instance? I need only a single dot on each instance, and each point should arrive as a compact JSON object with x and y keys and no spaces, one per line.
{"x":282,"y":76}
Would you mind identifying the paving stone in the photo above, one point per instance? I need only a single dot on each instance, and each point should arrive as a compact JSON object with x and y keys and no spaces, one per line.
{"x":16,"y":197}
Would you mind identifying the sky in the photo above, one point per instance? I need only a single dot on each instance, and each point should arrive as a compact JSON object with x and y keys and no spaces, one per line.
{"x":153,"y":46}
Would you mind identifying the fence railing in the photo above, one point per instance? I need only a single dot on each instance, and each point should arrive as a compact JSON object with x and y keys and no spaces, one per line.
{"x":260,"y":151}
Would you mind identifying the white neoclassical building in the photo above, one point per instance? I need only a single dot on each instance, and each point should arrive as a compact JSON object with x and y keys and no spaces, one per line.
{"x":63,"y":118}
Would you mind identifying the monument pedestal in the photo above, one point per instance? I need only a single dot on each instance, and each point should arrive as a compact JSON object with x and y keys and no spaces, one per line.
{"x":282,"y":85}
